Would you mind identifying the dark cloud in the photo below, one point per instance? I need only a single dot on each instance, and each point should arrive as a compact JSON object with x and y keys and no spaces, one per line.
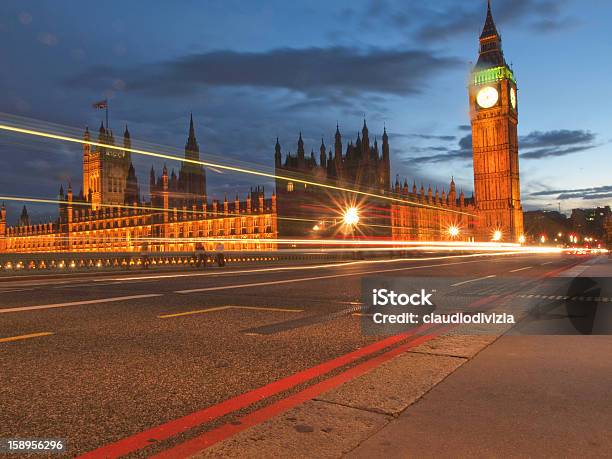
{"x":450,"y":19}
{"x":590,"y":193}
{"x":537,"y":144}
{"x":464,"y":127}
{"x":554,"y":152}
{"x":462,"y":152}
{"x":309,"y":70}
{"x":558,"y":138}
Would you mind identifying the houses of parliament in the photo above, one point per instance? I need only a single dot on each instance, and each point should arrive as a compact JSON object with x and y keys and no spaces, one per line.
{"x":110,"y":213}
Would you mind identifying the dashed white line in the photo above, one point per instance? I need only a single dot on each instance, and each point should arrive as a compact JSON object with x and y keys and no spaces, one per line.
{"x":473,"y":280}
{"x":520,"y":269}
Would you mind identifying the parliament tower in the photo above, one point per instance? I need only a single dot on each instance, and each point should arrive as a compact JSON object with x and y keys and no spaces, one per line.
{"x":494,"y":117}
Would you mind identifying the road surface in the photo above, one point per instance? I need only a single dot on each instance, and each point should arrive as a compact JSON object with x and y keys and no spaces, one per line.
{"x":97,"y":359}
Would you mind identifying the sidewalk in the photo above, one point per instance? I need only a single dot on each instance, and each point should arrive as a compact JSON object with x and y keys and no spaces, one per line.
{"x":595,"y":267}
{"x":523,"y":396}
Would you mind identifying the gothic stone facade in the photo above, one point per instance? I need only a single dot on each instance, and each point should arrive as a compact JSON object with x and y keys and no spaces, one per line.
{"x":109,"y":214}
{"x":387,"y":212}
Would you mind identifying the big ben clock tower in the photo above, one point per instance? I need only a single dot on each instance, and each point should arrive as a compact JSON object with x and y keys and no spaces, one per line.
{"x":494,"y":116}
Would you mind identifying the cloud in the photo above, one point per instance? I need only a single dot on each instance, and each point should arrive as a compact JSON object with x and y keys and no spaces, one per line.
{"x":450,"y":19}
{"x":462,"y":152}
{"x":563,"y":137}
{"x":590,"y":193}
{"x":307,"y":70}
{"x":537,"y":144}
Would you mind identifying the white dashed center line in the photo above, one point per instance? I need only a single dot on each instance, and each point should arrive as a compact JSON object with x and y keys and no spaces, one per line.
{"x":520,"y":269}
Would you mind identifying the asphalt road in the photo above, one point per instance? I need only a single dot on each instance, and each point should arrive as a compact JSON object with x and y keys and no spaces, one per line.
{"x":111,"y":356}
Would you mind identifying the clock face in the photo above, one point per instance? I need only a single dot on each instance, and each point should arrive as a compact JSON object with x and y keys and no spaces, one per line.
{"x":487,"y":97}
{"x":513,"y":98}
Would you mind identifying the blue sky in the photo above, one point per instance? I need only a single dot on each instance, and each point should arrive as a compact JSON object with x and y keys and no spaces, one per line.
{"x":254,"y":70}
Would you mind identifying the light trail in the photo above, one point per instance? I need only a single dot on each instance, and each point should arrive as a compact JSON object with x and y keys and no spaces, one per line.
{"x":242,"y":170}
{"x":220,"y":213}
{"x":326,"y":245}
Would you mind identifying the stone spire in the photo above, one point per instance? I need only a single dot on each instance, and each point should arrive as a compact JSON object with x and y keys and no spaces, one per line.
{"x":277,"y":153}
{"x":491,"y":54}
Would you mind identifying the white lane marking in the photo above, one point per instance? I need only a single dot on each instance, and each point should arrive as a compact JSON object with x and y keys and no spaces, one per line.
{"x":472,"y":280}
{"x":79,"y":303}
{"x":305,"y":279}
{"x":520,"y":269}
{"x":547,"y":263}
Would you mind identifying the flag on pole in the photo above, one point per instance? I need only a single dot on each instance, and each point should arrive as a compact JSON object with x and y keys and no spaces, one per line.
{"x":102,"y":105}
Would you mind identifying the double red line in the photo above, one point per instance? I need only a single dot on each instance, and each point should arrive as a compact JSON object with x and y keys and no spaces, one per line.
{"x":173,"y":428}
{"x":170,"y":429}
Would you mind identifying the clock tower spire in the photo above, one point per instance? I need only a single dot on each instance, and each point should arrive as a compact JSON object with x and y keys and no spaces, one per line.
{"x":494,"y":117}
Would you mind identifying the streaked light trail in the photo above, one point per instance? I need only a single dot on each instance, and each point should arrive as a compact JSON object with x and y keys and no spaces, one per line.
{"x":242,"y":170}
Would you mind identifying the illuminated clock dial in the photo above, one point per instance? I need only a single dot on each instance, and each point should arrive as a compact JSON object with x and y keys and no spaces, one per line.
{"x":513,"y":98}
{"x":487,"y":97}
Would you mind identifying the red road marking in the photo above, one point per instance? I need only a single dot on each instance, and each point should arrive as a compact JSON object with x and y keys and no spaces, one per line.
{"x":209,"y":438}
{"x":177,"y":426}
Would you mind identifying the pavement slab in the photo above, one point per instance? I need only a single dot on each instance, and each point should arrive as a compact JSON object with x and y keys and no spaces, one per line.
{"x":395,"y":385}
{"x":523,"y":396}
{"x":315,"y":429}
{"x":465,"y":346}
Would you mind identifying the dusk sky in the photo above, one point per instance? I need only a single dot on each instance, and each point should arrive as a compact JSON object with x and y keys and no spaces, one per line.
{"x":252,"y":70}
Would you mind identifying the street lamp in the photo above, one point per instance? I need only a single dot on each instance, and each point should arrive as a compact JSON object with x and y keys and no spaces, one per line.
{"x":453,"y":231}
{"x":543,"y":239}
{"x":521,"y":239}
{"x":497,"y":235}
{"x":351,"y":216}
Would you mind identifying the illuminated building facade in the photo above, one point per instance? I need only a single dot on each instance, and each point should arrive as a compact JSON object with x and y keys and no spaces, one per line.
{"x":494,"y":117}
{"x":110,"y":215}
{"x":306,"y":210}
{"x":437,"y":217}
{"x":399,"y":213}
{"x":105,"y":170}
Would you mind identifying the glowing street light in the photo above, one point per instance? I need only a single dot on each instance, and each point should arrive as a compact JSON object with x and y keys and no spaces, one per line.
{"x":351,"y":216}
{"x":497,"y":235}
{"x":521,"y":239}
{"x":453,"y":231}
{"x":543,"y":239}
